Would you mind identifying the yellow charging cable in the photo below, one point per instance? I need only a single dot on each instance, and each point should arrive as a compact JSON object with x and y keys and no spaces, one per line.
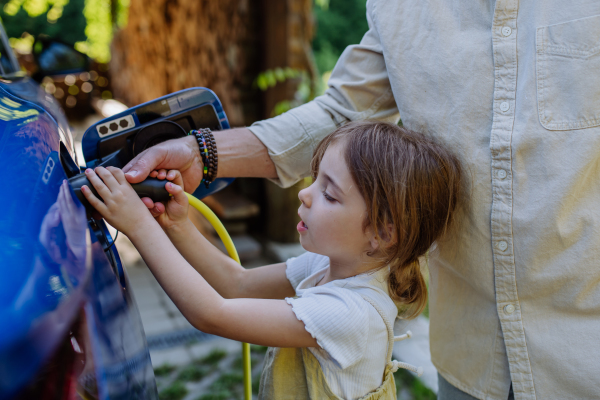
{"x":226,"y":239}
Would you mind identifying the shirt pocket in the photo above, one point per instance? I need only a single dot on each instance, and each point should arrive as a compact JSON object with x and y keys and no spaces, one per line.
{"x":568,"y":74}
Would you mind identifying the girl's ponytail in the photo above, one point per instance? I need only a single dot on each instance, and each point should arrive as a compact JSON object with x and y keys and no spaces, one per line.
{"x":408,"y":289}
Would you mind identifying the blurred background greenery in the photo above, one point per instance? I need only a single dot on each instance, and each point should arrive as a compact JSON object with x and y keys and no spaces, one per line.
{"x":89,"y":24}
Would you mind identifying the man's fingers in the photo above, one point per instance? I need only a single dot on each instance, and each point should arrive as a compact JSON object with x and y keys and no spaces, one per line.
{"x":94,"y":201}
{"x":138,"y":169}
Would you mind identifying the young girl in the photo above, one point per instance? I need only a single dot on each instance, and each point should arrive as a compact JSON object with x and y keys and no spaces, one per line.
{"x":381,"y":196}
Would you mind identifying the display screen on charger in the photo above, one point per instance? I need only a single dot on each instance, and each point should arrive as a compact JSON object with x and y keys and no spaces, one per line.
{"x":153,"y":111}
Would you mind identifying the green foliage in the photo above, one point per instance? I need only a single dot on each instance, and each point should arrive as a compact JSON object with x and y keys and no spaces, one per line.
{"x":85,"y":24}
{"x":339,"y":24}
{"x":176,"y":391}
{"x":225,"y":387}
{"x":220,"y":395}
{"x":405,"y":379}
{"x":213,"y":357}
{"x":254,"y":348}
{"x":164,"y":369}
{"x":62,"y":20}
{"x":192,"y":373}
{"x":304,"y":91}
{"x":271,"y":77}
{"x":98,"y":30}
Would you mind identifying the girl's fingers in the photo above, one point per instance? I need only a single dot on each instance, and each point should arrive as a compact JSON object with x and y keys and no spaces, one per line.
{"x":162,"y":174}
{"x":94,"y":201}
{"x":177,"y":192}
{"x":175,"y":176}
{"x":148,"y":202}
{"x":159,"y":208}
{"x":118,"y":174}
{"x":153,"y":174}
{"x":100,"y":187}
{"x":108,"y":178}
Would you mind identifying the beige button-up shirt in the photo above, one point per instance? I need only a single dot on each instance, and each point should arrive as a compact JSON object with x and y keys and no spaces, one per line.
{"x":514,"y":89}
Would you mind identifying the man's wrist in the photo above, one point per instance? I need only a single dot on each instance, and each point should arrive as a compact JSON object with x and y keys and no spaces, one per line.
{"x":192,"y":144}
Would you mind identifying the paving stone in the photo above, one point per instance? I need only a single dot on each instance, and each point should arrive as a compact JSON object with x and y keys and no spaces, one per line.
{"x":162,"y":325}
{"x":174,"y":356}
{"x":202,"y":349}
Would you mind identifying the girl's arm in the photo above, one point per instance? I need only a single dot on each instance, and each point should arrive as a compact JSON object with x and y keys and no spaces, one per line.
{"x":221,"y":272}
{"x":258,"y":321}
{"x":224,"y":274}
{"x":264,"y":322}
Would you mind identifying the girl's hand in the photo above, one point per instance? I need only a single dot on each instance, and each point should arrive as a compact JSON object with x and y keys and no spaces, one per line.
{"x":120,"y":204}
{"x":175,"y":211}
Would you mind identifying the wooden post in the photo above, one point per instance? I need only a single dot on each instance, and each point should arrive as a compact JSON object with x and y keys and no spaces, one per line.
{"x":288,"y":36}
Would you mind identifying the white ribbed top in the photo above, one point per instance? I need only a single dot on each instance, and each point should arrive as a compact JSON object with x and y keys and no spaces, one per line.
{"x":350,"y":332}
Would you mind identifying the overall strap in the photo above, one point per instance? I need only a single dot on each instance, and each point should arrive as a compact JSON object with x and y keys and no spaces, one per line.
{"x":393,"y":364}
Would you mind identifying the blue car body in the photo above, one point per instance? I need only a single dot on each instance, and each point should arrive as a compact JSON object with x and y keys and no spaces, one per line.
{"x":70,"y":327}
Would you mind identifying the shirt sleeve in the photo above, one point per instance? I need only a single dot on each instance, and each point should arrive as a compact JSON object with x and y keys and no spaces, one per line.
{"x":359,"y":88}
{"x":298,"y":268}
{"x":338,"y":319}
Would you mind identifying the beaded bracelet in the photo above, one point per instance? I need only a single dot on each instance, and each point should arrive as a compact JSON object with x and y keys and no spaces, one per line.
{"x":208,"y":152}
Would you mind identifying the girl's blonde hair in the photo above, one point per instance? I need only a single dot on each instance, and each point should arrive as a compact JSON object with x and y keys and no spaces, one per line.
{"x":411,"y":187}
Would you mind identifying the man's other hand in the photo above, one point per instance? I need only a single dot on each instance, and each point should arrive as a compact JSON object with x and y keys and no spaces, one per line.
{"x":180,"y":154}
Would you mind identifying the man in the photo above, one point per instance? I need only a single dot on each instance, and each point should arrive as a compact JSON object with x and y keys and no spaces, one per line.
{"x":514,"y":89}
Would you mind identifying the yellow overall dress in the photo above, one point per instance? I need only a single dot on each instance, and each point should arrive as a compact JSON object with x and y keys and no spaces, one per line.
{"x":295,"y":373}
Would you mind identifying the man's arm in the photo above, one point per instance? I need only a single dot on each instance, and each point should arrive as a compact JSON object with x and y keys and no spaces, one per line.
{"x":241,"y":154}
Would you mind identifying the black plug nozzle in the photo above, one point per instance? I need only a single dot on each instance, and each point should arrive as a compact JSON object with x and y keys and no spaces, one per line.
{"x":151,"y":187}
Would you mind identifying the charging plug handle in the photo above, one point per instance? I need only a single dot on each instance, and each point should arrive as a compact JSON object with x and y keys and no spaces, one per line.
{"x":152,"y":188}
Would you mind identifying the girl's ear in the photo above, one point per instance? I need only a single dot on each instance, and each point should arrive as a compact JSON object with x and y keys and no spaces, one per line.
{"x":388,"y":236}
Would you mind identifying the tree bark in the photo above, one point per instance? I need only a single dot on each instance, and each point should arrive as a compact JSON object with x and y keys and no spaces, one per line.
{"x":169,"y":45}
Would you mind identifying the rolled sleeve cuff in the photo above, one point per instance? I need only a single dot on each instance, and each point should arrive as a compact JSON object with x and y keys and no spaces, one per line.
{"x":291,"y":139}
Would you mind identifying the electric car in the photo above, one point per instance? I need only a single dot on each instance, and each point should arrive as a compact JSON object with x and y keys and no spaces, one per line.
{"x":70,"y":327}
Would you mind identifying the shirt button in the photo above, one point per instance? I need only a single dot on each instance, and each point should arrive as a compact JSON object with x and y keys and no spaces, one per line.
{"x":502,"y":245}
{"x":504,"y":106}
{"x":506,"y":31}
{"x":509,"y":309}
{"x":501,"y":173}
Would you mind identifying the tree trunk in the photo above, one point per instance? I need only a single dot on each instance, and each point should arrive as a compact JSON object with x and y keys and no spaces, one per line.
{"x":169,"y":45}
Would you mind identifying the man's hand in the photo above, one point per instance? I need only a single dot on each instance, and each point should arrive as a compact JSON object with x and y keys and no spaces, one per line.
{"x":180,"y":154}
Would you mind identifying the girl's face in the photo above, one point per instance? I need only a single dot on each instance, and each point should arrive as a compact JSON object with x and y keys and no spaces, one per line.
{"x":332,"y":213}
